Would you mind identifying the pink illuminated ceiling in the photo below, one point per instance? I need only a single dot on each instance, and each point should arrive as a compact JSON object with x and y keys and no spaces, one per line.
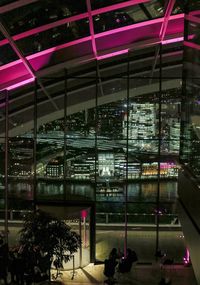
{"x":99,"y":46}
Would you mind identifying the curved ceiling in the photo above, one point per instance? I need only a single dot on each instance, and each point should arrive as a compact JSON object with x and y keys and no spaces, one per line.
{"x":140,"y":27}
{"x":38,"y":38}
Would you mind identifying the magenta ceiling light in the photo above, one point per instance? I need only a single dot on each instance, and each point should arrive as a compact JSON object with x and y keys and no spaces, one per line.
{"x":116,"y":53}
{"x":192,"y":45}
{"x":173,"y":40}
{"x":20,"y":84}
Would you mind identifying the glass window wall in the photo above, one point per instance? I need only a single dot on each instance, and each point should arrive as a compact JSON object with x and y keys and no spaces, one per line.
{"x":106,"y":135}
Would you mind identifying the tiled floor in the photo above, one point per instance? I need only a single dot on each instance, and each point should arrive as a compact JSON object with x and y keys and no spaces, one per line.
{"x":139,"y":275}
{"x":144,"y":243}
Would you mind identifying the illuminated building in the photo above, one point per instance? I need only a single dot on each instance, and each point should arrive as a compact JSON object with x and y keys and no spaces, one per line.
{"x":54,"y":168}
{"x":142,"y":122}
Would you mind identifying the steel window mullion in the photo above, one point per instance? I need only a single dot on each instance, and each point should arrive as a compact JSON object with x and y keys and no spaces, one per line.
{"x":6,"y":165}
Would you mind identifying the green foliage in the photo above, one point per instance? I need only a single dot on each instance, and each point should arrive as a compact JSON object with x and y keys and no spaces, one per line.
{"x":50,"y":235}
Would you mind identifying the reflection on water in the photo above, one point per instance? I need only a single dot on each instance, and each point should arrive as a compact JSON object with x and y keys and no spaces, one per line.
{"x":137,"y":192}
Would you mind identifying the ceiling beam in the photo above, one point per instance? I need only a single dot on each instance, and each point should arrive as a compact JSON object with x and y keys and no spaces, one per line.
{"x":146,"y":11}
{"x":94,"y":48}
{"x":162,"y":33}
{"x":25,"y":62}
{"x":15,"y":5}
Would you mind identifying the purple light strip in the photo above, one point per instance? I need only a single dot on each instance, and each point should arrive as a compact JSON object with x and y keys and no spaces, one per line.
{"x":4,"y":42}
{"x":91,"y":25}
{"x":10,"y":64}
{"x":15,"y":5}
{"x":20,"y":84}
{"x":174,"y":40}
{"x":47,"y":51}
{"x":192,"y":45}
{"x":53,"y":49}
{"x":16,"y":50}
{"x":112,"y":54}
{"x":166,"y":19}
{"x":197,"y":12}
{"x":192,"y":18}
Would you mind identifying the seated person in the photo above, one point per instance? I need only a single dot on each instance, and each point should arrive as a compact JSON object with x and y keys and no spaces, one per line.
{"x":109,"y":270}
{"x":126,"y":263}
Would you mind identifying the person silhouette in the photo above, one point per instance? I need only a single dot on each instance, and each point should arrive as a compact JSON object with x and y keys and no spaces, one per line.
{"x":109,"y":270}
{"x":3,"y":261}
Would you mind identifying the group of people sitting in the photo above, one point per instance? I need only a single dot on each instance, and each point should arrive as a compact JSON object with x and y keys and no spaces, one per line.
{"x":22,"y":265}
{"x":122,"y":262}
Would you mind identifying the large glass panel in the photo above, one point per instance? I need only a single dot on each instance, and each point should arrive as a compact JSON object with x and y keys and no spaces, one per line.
{"x":2,"y":158}
{"x":191,"y":87}
{"x":80,"y":190}
{"x":172,"y":62}
{"x":50,"y":190}
{"x":156,"y":8}
{"x":141,"y":215}
{"x":146,"y":191}
{"x":194,"y":6}
{"x":50,"y":156}
{"x":21,"y":157}
{"x":21,"y":111}
{"x":80,"y":162}
{"x":170,"y":122}
{"x":178,"y":8}
{"x":101,"y":3}
{"x":54,"y":37}
{"x":172,"y":243}
{"x":2,"y":113}
{"x":110,"y":115}
{"x":50,"y":139}
{"x":20,"y":122}
{"x":118,"y":18}
{"x":20,"y":189}
{"x":7,"y":54}
{"x":111,"y":164}
{"x":40,"y":13}
{"x":171,"y":238}
{"x":193,"y":31}
{"x":109,"y":214}
{"x":20,"y":151}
